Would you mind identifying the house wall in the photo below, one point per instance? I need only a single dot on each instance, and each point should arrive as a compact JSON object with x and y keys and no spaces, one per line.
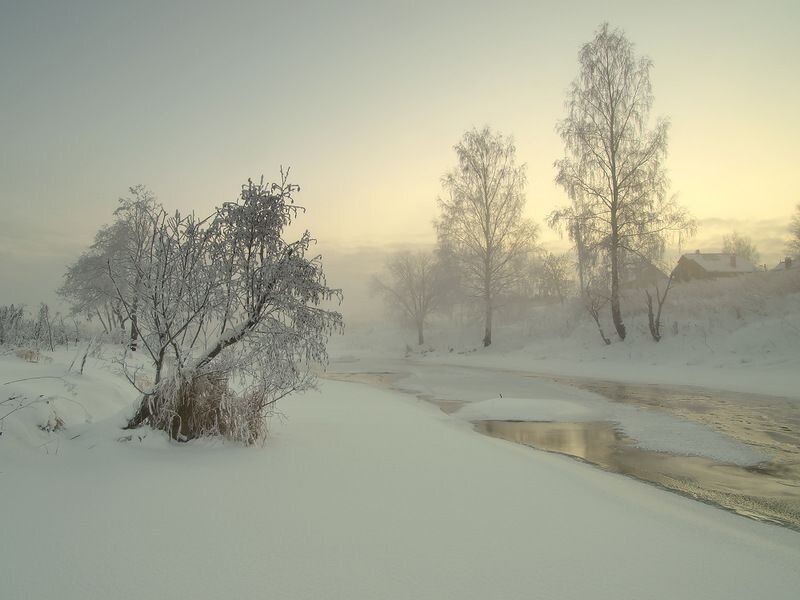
{"x":688,"y":270}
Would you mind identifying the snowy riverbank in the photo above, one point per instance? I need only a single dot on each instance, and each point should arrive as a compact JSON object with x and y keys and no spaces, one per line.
{"x":358,"y":493}
{"x":741,"y":334}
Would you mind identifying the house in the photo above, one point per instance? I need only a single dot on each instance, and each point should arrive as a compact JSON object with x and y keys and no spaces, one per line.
{"x":710,"y":265}
{"x":642,"y":274}
{"x":786,"y":264}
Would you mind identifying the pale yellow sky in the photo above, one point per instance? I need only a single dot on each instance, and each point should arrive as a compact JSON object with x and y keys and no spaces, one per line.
{"x":365,"y":101}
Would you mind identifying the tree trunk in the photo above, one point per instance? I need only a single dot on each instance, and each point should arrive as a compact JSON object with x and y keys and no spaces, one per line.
{"x":581,"y":256}
{"x":159,"y":362}
{"x":616,"y":313}
{"x":111,"y":324}
{"x":134,"y":326}
{"x":653,"y":322}
{"x":487,"y":336}
{"x":420,"y":338}
{"x":596,"y":317}
{"x":103,"y":323}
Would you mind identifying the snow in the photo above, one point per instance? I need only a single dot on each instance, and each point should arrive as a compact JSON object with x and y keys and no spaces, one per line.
{"x":46,"y":389}
{"x":720,"y":262}
{"x":529,"y":398}
{"x":358,"y":493}
{"x":527,"y":409}
{"x":650,"y":430}
{"x":739,"y":334}
{"x":760,"y":357}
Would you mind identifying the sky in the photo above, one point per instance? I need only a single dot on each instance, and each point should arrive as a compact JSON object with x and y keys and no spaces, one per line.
{"x":364,"y":101}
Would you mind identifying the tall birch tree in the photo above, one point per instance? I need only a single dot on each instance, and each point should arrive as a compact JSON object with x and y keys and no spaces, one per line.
{"x":481,"y":224}
{"x":613,"y":168}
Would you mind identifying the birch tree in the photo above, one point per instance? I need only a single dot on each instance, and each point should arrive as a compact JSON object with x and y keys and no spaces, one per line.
{"x":481,"y":224}
{"x":555,"y":275}
{"x":794,"y":232}
{"x":414,"y":286}
{"x":742,"y":246}
{"x":572,"y":220}
{"x":613,"y":169}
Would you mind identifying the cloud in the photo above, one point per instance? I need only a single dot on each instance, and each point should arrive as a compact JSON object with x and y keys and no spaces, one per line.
{"x":769,"y":235}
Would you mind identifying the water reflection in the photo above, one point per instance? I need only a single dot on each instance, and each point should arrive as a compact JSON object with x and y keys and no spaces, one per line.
{"x":770,"y":424}
{"x":768,"y":492}
{"x":593,"y":442}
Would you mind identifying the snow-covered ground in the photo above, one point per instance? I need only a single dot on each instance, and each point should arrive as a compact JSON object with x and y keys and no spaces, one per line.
{"x":741,"y":334}
{"x":500,"y":394}
{"x":358,"y":493}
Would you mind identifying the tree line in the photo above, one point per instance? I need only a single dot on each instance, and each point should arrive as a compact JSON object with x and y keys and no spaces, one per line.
{"x":620,"y":209}
{"x":232,"y":317}
{"x":619,"y":219}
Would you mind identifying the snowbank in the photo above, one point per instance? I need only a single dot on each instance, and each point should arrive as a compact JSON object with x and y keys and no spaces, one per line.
{"x":359,"y":493}
{"x":39,"y":397}
{"x":739,"y":334}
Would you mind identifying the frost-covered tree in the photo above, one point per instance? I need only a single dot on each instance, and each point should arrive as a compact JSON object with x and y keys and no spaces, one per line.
{"x":595,"y":297}
{"x":740,"y":245}
{"x":573,"y":220}
{"x":175,"y":283}
{"x":229,"y":313}
{"x":131,"y":244}
{"x":43,"y":328}
{"x":117,"y":250}
{"x":794,"y":232}
{"x":555,"y":275}
{"x":654,"y":309}
{"x":613,"y":165}
{"x":481,"y":224}
{"x":12,"y":325}
{"x":89,"y":291}
{"x":413,"y":284}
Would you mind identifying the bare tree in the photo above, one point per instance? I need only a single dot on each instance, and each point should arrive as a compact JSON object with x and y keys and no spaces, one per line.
{"x":43,"y":328}
{"x":654,"y":315}
{"x":175,"y":286}
{"x":90,"y":292}
{"x":12,"y":325}
{"x":572,"y":221}
{"x":613,"y":166}
{"x":595,"y":298}
{"x":134,"y":216}
{"x":555,"y":271}
{"x":221,"y":299}
{"x":794,"y":232}
{"x":413,"y":285}
{"x":481,"y":223}
{"x":117,"y":252}
{"x":740,"y":245}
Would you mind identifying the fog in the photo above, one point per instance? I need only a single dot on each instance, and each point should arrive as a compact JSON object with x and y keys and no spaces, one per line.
{"x":399,"y":299}
{"x":97,"y":99}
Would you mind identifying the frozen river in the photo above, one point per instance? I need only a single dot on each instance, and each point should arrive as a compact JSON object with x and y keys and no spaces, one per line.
{"x":734,"y":450}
